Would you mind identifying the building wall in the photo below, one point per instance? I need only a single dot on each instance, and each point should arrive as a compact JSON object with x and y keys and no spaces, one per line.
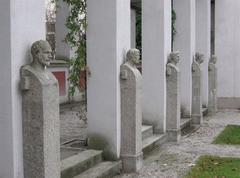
{"x":227,"y":44}
{"x":21,"y":23}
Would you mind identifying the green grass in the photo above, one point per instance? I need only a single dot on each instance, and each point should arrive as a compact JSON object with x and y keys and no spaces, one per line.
{"x":230,"y":136}
{"x":215,"y":167}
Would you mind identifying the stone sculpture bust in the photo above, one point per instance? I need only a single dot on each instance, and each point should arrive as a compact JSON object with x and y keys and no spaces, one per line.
{"x":42,"y":53}
{"x":174,"y":58}
{"x":212,"y":63}
{"x":199,"y":58}
{"x":213,"y":59}
{"x":133,"y":57}
{"x":197,"y":61}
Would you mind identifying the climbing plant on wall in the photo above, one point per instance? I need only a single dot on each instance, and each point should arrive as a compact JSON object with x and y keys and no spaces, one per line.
{"x":139,"y":31}
{"x":76,"y":24}
{"x":174,"y":30}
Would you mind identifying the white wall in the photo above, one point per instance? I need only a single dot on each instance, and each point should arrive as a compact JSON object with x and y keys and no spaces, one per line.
{"x":156,"y":46}
{"x":227,"y":48}
{"x":184,"y":42}
{"x":21,"y":23}
{"x":108,"y":39}
{"x":203,"y":41}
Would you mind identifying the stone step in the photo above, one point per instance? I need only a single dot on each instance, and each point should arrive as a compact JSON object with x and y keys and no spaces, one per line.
{"x":152,"y":142}
{"x":147,"y":131}
{"x":79,"y":163}
{"x":102,"y":170}
{"x":185,"y":122}
{"x":204,"y":111}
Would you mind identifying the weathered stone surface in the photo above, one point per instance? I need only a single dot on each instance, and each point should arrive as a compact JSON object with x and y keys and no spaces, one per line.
{"x":212,"y":83}
{"x":41,"y":133}
{"x":196,"y":90}
{"x":173,"y":98}
{"x":131,"y":111}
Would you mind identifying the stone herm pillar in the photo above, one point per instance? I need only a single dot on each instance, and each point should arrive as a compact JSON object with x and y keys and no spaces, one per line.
{"x":184,"y":42}
{"x":173,"y":98}
{"x":196,"y":90}
{"x":212,"y":82}
{"x":41,"y":131}
{"x":131,"y":112}
{"x":156,"y":46}
{"x":108,"y":40}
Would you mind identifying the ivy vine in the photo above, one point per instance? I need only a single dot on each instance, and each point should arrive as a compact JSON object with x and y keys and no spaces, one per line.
{"x":76,"y":23}
{"x":174,"y":30}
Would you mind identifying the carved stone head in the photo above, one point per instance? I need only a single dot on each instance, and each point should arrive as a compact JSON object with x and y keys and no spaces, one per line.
{"x":41,"y":53}
{"x":133,"y":56}
{"x":213,"y":59}
{"x":174,"y":57}
{"x":199,"y":58}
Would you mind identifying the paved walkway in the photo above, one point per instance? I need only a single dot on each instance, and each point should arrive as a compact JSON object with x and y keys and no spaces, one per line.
{"x":73,"y":122}
{"x":174,"y":160}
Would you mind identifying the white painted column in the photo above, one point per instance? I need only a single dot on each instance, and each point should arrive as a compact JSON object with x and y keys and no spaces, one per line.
{"x":63,"y":50}
{"x":108,"y":40}
{"x":21,"y":24}
{"x":203,"y":41}
{"x":133,"y":28}
{"x":156,"y":45}
{"x":184,"y":42}
{"x":227,"y":42}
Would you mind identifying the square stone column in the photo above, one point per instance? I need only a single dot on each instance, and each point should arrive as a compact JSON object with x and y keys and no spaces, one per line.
{"x":184,"y":42}
{"x":212,"y":82}
{"x":108,"y":39}
{"x":131,"y":110}
{"x":173,"y":98}
{"x":156,"y":45}
{"x":203,"y":41}
{"x":21,"y":24}
{"x":197,"y":115}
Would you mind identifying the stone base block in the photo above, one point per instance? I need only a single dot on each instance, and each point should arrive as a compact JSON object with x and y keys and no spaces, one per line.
{"x":228,"y":103}
{"x":212,"y":110}
{"x":132,"y":163}
{"x":173,"y":135}
{"x":197,"y":119}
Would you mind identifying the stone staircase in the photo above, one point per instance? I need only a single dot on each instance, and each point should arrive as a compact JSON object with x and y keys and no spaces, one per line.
{"x":89,"y":164}
{"x":185,"y":123}
{"x":85,"y":163}
{"x":151,"y":140}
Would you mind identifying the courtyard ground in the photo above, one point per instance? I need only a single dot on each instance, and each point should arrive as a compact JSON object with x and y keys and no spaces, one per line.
{"x":171,"y":160}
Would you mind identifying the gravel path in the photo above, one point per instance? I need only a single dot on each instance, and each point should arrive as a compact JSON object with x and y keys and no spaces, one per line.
{"x":73,"y":122}
{"x":174,"y":160}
